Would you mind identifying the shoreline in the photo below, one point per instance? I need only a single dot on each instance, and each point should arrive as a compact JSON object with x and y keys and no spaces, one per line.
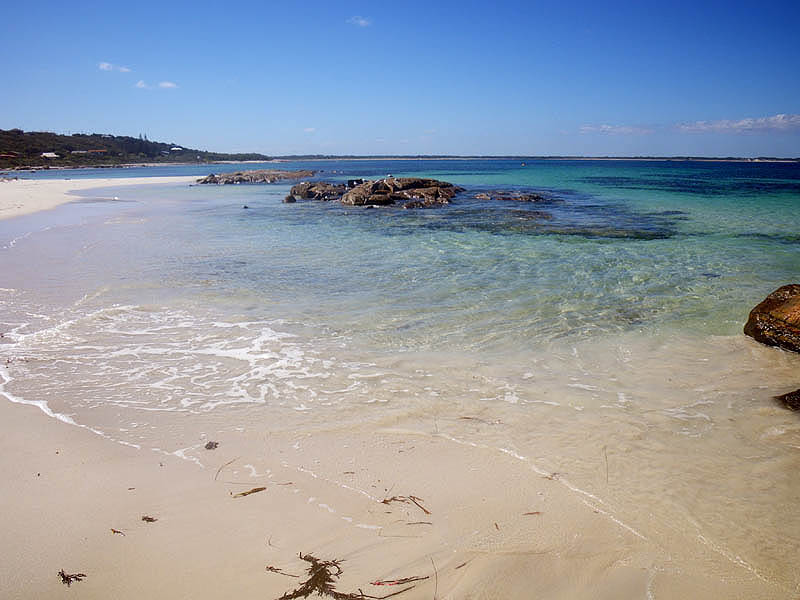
{"x":19,"y":197}
{"x":414,"y":492}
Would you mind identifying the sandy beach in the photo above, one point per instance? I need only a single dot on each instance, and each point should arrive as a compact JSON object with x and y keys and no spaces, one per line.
{"x":25,"y":196}
{"x":470,"y":522}
{"x":396,"y":503}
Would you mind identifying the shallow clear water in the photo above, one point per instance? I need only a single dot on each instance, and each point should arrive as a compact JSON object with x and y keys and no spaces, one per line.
{"x":600,"y":340}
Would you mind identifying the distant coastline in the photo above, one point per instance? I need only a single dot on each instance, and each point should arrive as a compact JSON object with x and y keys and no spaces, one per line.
{"x":285,"y":159}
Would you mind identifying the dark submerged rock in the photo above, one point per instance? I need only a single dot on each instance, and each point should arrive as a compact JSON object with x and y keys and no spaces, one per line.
{"x":790,"y":400}
{"x":776,"y":320}
{"x":318,"y":190}
{"x":257,"y":176}
{"x":513,"y":196}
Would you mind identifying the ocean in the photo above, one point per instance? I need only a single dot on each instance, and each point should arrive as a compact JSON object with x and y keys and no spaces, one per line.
{"x":597,"y":336}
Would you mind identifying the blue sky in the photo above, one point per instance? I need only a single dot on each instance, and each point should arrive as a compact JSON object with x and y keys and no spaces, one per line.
{"x":525,"y":78}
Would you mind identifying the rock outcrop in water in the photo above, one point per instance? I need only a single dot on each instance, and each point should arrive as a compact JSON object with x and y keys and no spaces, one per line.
{"x":776,"y":320}
{"x":318,"y":190}
{"x":413,"y":192}
{"x":257,"y":176}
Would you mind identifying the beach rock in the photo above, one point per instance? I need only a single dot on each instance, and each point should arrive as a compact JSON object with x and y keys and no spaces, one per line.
{"x":776,"y":320}
{"x":318,"y":190}
{"x":790,"y":400}
{"x":423,"y":193}
{"x":257,"y":176}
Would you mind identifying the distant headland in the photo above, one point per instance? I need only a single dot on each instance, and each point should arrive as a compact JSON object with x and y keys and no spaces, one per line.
{"x":43,"y":149}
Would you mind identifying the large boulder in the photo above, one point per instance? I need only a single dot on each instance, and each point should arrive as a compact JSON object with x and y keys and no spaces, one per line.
{"x":776,"y":321}
{"x":316,"y":190}
{"x":413,"y":192}
{"x":790,"y":400}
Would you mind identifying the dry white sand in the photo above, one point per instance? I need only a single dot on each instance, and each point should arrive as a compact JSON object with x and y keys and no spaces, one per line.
{"x":24,"y":196}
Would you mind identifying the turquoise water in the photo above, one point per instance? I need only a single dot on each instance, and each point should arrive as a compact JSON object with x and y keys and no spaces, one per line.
{"x":606,"y":321}
{"x":629,"y":246}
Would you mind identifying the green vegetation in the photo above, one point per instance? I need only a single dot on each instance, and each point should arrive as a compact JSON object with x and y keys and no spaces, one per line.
{"x":41,"y":149}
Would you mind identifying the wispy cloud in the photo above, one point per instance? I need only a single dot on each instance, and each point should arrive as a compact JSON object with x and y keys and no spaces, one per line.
{"x":164,"y":85}
{"x":615,"y":129}
{"x":360,"y":21}
{"x":310,"y":129}
{"x":776,"y":123}
{"x":107,"y":66}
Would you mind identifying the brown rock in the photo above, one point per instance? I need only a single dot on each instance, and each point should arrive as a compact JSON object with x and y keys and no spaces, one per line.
{"x":429,"y":192}
{"x":776,"y":321}
{"x":790,"y":400}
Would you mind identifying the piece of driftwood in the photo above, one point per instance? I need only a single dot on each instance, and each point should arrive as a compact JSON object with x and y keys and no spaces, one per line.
{"x":211,"y":445}
{"x":117,"y":531}
{"x":533,"y":512}
{"x":149,"y":519}
{"x":321,"y":581}
{"x":255,"y":490}
{"x":69,"y":578}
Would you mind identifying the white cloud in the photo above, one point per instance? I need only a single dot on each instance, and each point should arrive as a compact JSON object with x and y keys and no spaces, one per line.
{"x":107,"y":66}
{"x":615,"y":129}
{"x":167,"y":85}
{"x":360,"y":21}
{"x":310,"y":129}
{"x":782,"y":122}
{"x":142,"y":85}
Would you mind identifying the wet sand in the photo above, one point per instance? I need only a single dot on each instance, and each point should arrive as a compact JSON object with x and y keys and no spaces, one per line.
{"x":481,"y":524}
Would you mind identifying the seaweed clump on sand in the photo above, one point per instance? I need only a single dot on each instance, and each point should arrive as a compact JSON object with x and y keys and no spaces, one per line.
{"x":322,"y":576}
{"x":69,"y":578}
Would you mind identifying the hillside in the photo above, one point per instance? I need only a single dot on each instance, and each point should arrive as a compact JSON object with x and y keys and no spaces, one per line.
{"x":40,"y":148}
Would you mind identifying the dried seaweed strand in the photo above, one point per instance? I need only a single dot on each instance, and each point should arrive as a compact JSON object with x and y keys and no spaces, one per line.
{"x":223,"y":466}
{"x":399,"y":581}
{"x":255,"y":490}
{"x":416,"y":500}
